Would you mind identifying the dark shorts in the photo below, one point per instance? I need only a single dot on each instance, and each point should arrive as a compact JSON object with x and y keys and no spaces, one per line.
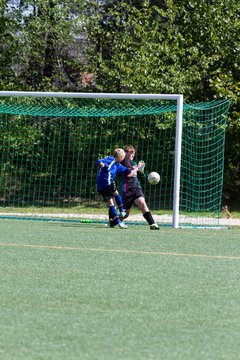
{"x":131,"y":196}
{"x":108,"y":192}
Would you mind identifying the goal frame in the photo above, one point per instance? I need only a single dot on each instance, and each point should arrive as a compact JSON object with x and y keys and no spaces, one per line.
{"x":179,"y":123}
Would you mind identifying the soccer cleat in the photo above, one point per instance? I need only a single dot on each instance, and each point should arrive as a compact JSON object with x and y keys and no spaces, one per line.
{"x":122,"y":225}
{"x":123,"y":214}
{"x":109,"y":224}
{"x":154,"y":227}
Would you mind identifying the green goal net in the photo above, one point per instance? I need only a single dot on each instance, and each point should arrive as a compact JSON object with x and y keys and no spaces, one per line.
{"x":49,"y":147}
{"x":202,"y":163}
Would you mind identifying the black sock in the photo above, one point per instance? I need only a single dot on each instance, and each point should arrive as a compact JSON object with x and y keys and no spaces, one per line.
{"x":148,"y":216}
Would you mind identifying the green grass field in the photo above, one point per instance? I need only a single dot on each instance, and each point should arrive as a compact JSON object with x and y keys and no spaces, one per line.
{"x":83,"y":291}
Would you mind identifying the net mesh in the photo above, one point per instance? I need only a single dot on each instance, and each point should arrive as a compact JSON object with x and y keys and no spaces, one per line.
{"x":49,"y":148}
{"x":203,"y":159}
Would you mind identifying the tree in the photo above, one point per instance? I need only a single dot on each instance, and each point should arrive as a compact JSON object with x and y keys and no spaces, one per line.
{"x":46,"y":35}
{"x":189,"y":47}
{"x":8,"y":46}
{"x":171,"y":46}
{"x":144,"y":46}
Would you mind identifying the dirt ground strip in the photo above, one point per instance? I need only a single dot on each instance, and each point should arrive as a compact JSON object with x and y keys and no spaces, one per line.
{"x":161,"y":219}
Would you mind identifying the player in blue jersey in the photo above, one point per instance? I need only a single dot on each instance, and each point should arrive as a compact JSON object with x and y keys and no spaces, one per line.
{"x":131,"y":189}
{"x":109,"y":168}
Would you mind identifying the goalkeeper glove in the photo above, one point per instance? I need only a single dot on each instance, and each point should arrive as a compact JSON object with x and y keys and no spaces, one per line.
{"x":141,"y":166}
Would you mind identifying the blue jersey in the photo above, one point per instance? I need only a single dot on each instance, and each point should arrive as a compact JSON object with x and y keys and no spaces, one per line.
{"x":108,"y":173}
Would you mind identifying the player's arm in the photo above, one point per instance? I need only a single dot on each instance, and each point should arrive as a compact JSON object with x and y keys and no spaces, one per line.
{"x":101,"y":163}
{"x":129,"y":173}
{"x":133,"y":172}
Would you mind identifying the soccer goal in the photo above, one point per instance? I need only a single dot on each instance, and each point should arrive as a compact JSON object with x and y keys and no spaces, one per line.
{"x":50,"y":143}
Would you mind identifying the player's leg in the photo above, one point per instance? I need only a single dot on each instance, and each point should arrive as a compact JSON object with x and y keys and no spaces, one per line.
{"x":127,"y":213}
{"x":119,"y":203}
{"x":128,"y":200}
{"x":141,"y":203}
{"x":112,"y":213}
{"x":108,"y":196}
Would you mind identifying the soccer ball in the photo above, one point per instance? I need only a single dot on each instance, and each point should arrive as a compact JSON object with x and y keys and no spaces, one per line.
{"x":153,"y":178}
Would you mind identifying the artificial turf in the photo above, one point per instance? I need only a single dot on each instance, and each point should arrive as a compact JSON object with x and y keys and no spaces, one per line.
{"x":83,"y":291}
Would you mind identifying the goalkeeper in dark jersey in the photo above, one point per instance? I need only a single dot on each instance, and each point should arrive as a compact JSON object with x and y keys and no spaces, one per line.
{"x":131,"y":190}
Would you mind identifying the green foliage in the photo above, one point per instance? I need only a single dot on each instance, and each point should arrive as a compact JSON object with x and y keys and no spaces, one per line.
{"x":8,"y":46}
{"x":140,"y":46}
{"x":46,"y":32}
{"x":171,"y":47}
{"x":179,"y":47}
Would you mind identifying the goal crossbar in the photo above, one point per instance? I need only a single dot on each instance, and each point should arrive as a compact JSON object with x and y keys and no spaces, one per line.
{"x":91,"y":95}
